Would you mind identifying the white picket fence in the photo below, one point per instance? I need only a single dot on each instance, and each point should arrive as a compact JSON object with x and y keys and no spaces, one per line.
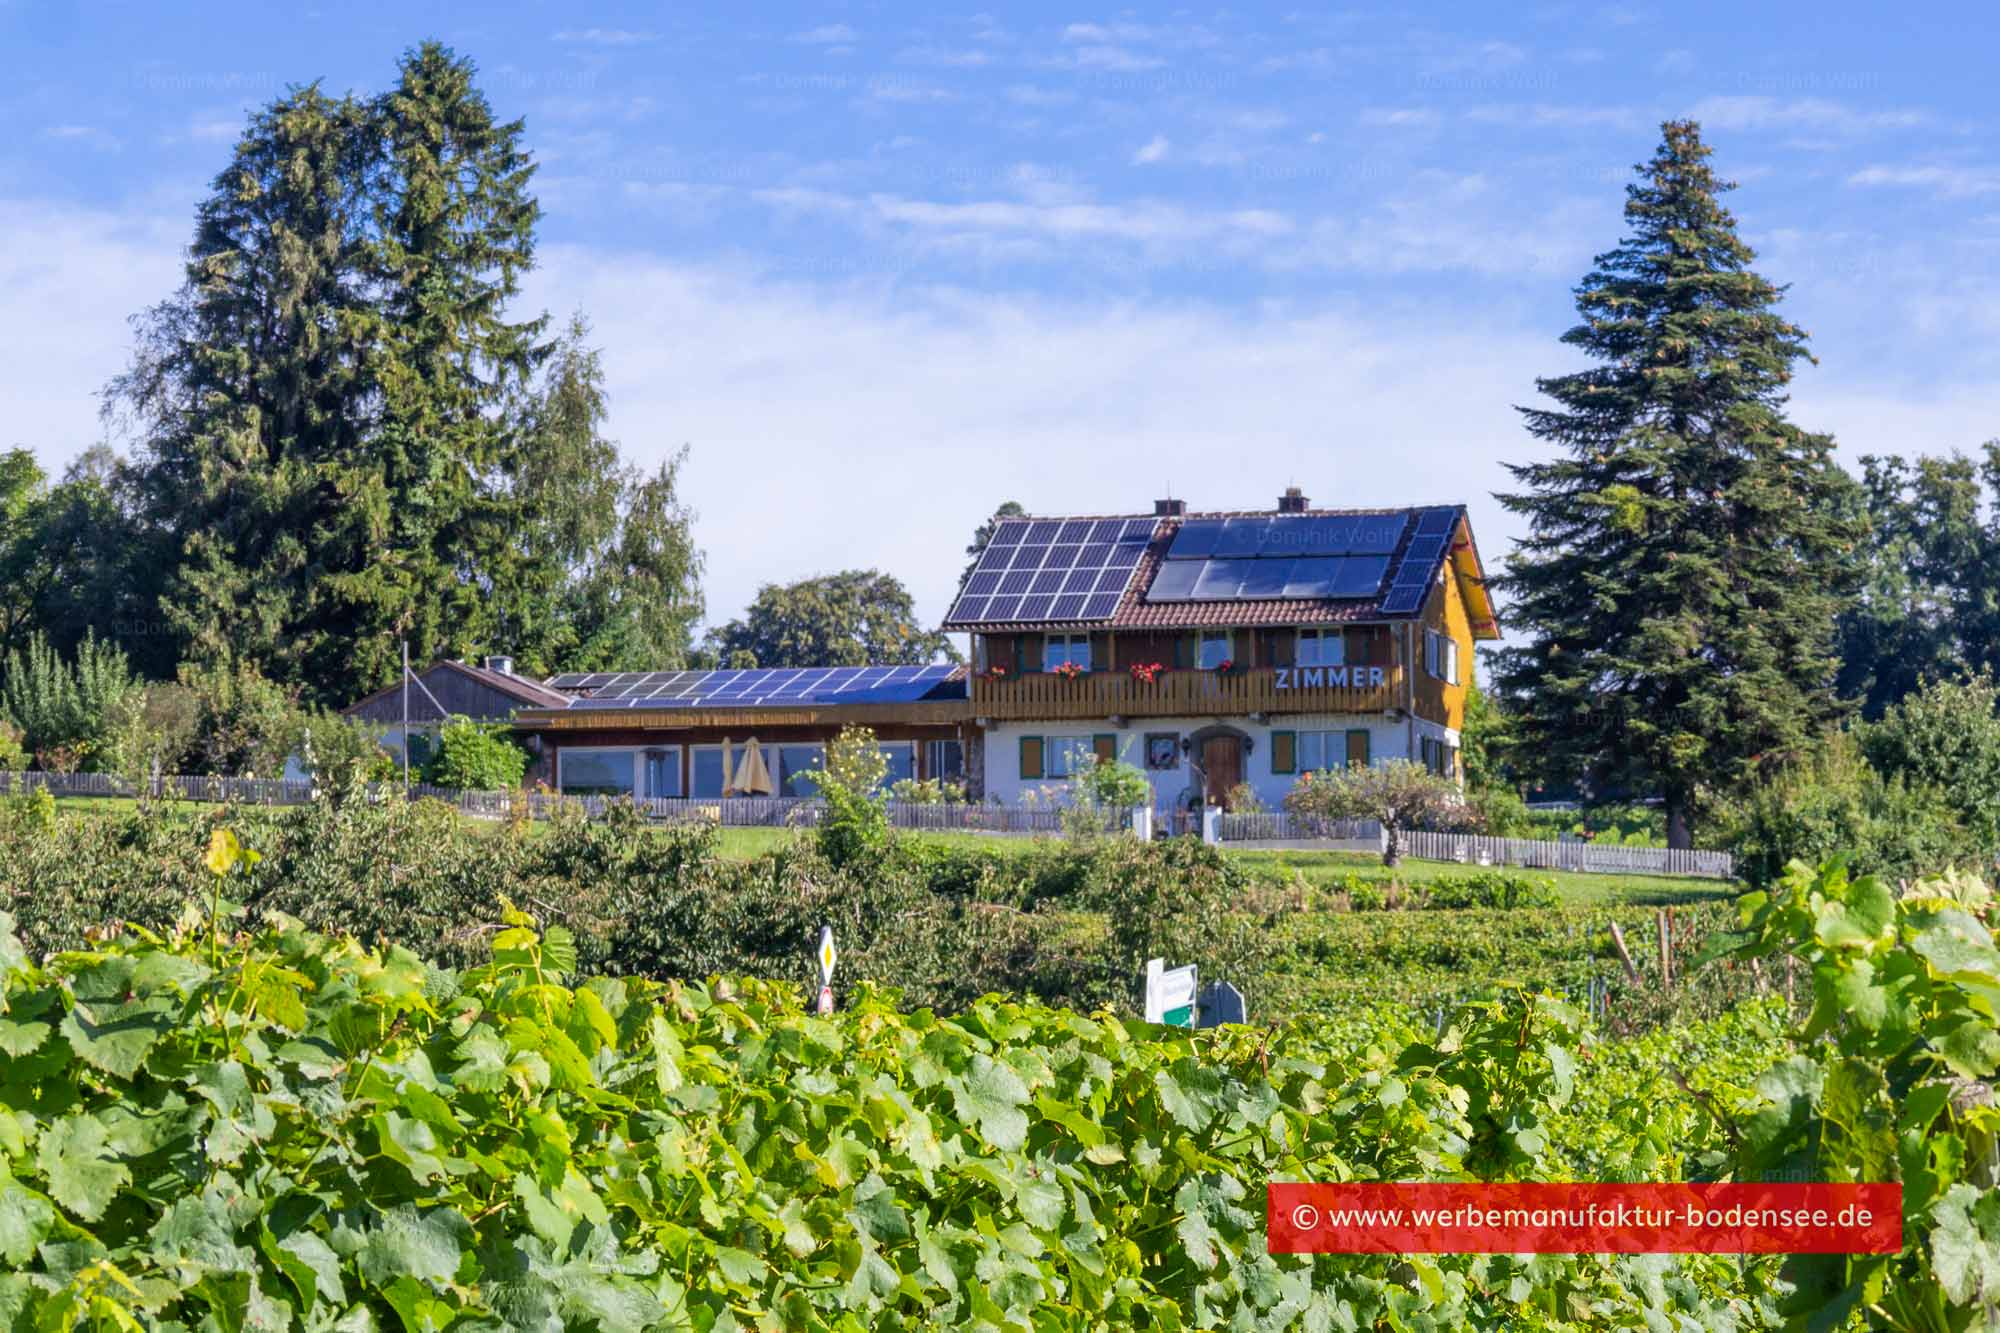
{"x":1589,"y":857}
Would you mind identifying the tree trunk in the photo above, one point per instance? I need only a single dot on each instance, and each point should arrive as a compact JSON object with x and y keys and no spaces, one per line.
{"x":1680,"y":823}
{"x":1392,"y":845}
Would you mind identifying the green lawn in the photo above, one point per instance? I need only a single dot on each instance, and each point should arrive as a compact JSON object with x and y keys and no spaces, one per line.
{"x":1582,"y":889}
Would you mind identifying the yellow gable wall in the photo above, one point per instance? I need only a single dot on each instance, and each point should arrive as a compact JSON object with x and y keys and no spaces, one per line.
{"x":1435,"y":700}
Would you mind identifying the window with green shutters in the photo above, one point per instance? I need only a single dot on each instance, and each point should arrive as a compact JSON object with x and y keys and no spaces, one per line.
{"x":1105,"y":747}
{"x":1031,"y":756}
{"x":1284,"y":752}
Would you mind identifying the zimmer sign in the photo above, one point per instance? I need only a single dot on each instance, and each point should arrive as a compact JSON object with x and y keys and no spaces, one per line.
{"x":1322,"y":677}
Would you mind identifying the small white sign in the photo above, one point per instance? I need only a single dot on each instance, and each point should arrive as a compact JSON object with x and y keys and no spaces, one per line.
{"x":1170,"y":994}
{"x":826,"y":956}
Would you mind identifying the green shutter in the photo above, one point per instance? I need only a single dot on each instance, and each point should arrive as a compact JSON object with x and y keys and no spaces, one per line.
{"x":1105,"y":746}
{"x":1031,"y":756}
{"x":1284,"y":752}
{"x":1357,"y":749}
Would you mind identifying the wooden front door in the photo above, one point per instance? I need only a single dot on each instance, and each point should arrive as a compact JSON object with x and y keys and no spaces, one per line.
{"x":1222,"y":761}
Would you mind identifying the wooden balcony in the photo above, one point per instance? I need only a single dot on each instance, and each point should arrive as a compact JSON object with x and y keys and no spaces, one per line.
{"x":1188,"y":693}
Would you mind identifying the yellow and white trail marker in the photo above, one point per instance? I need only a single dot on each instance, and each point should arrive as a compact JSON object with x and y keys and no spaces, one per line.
{"x":826,"y":960}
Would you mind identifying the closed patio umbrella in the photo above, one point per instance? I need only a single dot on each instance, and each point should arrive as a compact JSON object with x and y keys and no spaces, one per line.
{"x":752,"y":777}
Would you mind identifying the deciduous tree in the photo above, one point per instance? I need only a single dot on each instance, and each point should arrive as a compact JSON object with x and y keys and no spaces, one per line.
{"x":854,"y":618}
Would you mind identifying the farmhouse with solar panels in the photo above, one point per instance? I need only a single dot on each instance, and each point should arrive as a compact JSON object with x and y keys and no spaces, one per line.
{"x":1216,"y":649}
{"x":1208,"y":649}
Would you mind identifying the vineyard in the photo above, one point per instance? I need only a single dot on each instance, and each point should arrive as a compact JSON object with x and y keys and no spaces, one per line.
{"x":229,"y":1120}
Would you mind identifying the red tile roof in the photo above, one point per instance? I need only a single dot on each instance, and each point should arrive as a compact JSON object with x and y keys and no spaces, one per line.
{"x":1135,"y":612}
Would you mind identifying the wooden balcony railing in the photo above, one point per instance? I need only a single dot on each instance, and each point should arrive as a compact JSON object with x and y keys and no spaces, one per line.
{"x":1189,"y":693}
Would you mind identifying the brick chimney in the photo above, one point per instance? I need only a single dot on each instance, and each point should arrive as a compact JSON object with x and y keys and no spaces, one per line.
{"x":1169,"y":508}
{"x":1293,"y":501}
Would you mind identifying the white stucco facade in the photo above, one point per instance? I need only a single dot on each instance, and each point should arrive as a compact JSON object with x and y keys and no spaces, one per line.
{"x":1396,"y":737}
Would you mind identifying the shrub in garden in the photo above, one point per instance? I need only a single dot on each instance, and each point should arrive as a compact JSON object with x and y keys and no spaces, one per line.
{"x":855,"y":826}
{"x":13,"y":754}
{"x":65,"y":709}
{"x":474,"y":757}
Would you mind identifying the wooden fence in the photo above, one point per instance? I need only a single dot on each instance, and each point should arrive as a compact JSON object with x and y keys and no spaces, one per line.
{"x":729,"y":811}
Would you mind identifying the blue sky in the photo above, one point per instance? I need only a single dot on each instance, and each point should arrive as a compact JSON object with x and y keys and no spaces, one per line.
{"x":882,"y":266}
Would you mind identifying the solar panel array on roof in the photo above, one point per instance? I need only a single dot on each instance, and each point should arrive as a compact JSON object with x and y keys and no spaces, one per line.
{"x":755,"y":688}
{"x":1411,"y":582}
{"x":1261,"y":536}
{"x":1053,"y":569}
{"x":1260,"y":557}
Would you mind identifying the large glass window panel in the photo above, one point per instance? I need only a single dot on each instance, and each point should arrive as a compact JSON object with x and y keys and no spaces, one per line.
{"x":707,"y":777}
{"x":947,"y":760}
{"x":596,"y":772}
{"x":796,"y":764}
{"x":1215,"y":648}
{"x":1321,"y":647}
{"x":663,"y":774}
{"x":901,"y":758}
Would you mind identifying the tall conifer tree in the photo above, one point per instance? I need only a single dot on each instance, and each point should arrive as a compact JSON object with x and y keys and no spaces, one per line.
{"x":346,"y":440}
{"x":1689,"y":548}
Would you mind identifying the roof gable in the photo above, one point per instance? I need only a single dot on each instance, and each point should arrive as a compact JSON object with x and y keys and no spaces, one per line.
{"x":1398,"y":553}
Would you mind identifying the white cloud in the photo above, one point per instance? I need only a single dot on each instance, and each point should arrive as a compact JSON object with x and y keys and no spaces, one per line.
{"x":606,"y":36}
{"x":1542,"y":115}
{"x":815,"y":414}
{"x":1154,"y":150}
{"x":1951,"y":182}
{"x":75,"y":276}
{"x":1398,"y":117}
{"x":1816,"y":114}
{"x":89,"y":136}
{"x":1117,"y":59}
{"x":830,"y":34}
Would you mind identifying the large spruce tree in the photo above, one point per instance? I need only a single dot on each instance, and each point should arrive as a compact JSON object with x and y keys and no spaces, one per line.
{"x":1688,"y":548}
{"x":347,"y":440}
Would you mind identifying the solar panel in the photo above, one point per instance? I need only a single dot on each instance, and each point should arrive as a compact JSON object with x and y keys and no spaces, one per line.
{"x":1312,"y":576}
{"x":996,"y":557}
{"x":1079,"y":580}
{"x":1437,"y":522}
{"x":1064,"y":556}
{"x":1016,"y":583}
{"x":1266,"y":578}
{"x":1004,"y":608}
{"x":1100,"y":605}
{"x":1423,"y":551}
{"x":1220,"y":580}
{"x":1067,"y":607}
{"x":1138,"y":531}
{"x":1042,"y":533}
{"x":1378,"y":534}
{"x":1360,"y":576}
{"x":1029,"y":557}
{"x":1126,"y":557}
{"x":1243,"y":536}
{"x":1196,"y":540}
{"x":1008,"y":534}
{"x":1075,"y":530}
{"x":1106,"y":530}
{"x":1175,"y":580}
{"x":1402,"y":601}
{"x":1048,"y":581}
{"x":1035,"y":608}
